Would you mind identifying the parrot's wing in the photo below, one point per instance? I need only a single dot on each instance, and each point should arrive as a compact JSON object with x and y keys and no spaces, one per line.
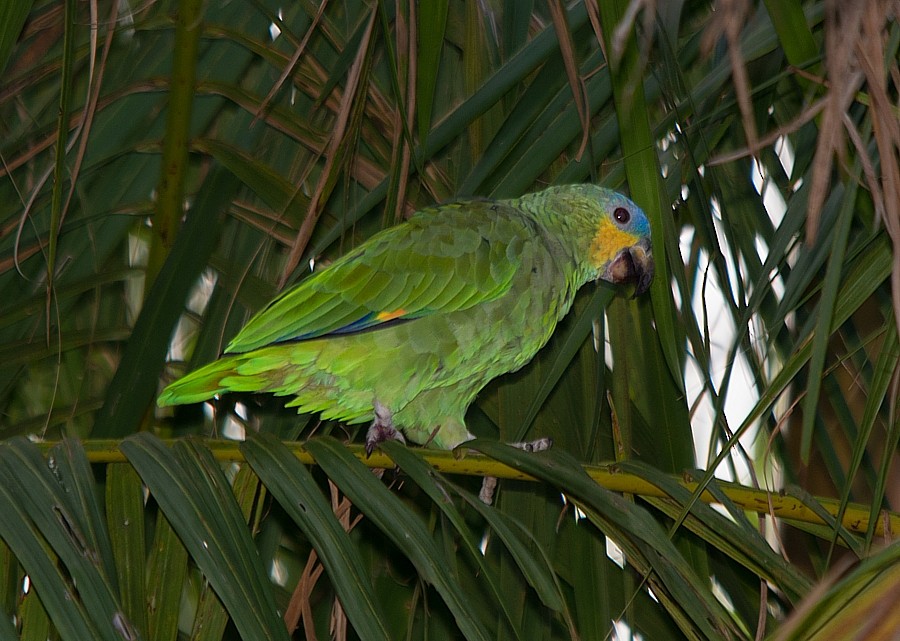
{"x":444,"y":259}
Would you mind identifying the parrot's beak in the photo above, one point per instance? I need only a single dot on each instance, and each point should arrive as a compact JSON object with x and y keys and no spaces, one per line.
{"x":632,"y":265}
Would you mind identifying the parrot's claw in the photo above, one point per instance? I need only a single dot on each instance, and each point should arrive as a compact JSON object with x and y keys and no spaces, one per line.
{"x":382,"y":429}
{"x":489,"y":484}
{"x":537,"y":445}
{"x":488,"y":487}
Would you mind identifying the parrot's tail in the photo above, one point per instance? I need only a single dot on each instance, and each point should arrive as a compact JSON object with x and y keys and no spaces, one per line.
{"x":282,"y":370}
{"x":259,"y":371}
{"x":200,"y":385}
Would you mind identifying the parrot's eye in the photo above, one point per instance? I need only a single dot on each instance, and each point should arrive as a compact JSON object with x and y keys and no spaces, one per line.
{"x":622,"y":215}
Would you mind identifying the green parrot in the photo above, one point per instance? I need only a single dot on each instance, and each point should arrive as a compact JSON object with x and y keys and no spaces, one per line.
{"x":407,"y":328}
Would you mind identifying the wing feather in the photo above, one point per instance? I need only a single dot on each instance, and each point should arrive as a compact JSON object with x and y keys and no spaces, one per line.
{"x":442,"y":260}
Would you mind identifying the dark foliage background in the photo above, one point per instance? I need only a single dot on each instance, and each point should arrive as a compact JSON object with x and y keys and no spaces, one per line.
{"x":168,"y":166}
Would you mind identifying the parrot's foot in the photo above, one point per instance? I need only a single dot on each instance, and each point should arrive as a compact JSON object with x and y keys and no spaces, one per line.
{"x":488,"y":487}
{"x":489,"y":484}
{"x":537,"y":445}
{"x":382,"y":429}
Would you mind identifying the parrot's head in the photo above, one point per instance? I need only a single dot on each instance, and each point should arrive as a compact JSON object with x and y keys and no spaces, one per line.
{"x":620,"y":249}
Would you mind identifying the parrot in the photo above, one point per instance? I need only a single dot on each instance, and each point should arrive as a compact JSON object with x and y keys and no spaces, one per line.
{"x":406,"y":329}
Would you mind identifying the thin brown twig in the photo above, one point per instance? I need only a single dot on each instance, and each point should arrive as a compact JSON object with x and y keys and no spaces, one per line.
{"x":331,"y":155}
{"x":886,"y":130}
{"x":770,"y":138}
{"x":841,"y":26}
{"x":292,"y":63}
{"x":567,"y":49}
{"x":411,"y":38}
{"x":728,"y":21}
